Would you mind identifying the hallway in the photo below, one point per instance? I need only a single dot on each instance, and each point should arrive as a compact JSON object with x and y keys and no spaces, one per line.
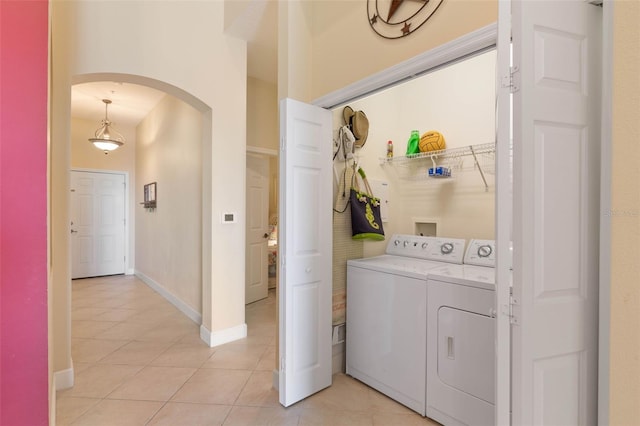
{"x":139,"y":361}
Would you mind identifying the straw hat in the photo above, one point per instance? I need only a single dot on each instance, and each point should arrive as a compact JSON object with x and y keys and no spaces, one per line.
{"x":358,"y":123}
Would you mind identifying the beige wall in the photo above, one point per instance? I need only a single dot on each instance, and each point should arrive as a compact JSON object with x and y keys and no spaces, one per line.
{"x":168,"y":238}
{"x":625,"y":218}
{"x":85,"y":156}
{"x":262,"y":114}
{"x":295,"y":50}
{"x":263,"y":130}
{"x":346,"y":49}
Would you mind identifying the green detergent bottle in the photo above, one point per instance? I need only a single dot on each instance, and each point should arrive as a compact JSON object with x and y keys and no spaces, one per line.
{"x":413,"y":145}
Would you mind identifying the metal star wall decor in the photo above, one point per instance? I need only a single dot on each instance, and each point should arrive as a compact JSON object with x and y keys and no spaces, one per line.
{"x":403,"y":17}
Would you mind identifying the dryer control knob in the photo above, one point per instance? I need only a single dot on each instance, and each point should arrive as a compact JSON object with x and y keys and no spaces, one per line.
{"x":485,"y":251}
{"x":424,"y":245}
{"x":406,"y":243}
{"x":446,"y":248}
{"x":396,"y":243}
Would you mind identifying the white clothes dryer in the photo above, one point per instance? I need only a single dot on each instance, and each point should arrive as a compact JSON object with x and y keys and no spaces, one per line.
{"x":461,"y":339}
{"x":386,"y":315}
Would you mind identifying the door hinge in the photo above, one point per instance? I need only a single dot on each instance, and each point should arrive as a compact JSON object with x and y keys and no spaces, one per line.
{"x":283,"y":144}
{"x":282,"y":364}
{"x":509,"y":310}
{"x":508,"y":81}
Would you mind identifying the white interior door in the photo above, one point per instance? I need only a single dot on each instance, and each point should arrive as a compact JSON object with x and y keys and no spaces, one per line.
{"x":305,"y":244}
{"x":556,"y":48}
{"x":256,"y":264}
{"x":97,"y":224}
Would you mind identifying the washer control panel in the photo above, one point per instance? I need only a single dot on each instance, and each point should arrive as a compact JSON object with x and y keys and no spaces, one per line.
{"x":449,"y":250}
{"x":481,"y":253}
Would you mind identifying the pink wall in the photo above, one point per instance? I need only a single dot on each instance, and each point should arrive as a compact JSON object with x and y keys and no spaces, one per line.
{"x":23,"y":212}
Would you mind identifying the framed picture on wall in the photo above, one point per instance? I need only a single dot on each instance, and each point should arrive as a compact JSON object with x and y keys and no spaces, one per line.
{"x":150,"y":192}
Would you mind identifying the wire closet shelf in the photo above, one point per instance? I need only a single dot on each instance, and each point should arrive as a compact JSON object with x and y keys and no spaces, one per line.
{"x":480,"y":157}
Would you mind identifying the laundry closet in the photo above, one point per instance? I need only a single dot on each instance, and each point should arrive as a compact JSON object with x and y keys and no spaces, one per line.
{"x":436,"y":207}
{"x":459,"y":101}
{"x":546,"y":195}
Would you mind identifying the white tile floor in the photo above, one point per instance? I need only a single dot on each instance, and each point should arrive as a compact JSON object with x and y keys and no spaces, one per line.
{"x":139,"y":361}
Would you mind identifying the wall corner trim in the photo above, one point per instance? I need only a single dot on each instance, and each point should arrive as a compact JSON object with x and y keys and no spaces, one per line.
{"x":217,"y":338}
{"x":191,"y":313}
{"x":63,"y":379}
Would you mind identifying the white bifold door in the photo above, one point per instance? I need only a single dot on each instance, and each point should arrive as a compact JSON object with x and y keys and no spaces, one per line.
{"x":97,"y":224}
{"x":556,"y":145}
{"x":305,"y":243}
{"x":256,"y":262}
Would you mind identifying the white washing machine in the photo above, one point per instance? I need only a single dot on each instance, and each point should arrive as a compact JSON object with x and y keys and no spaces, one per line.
{"x":461,"y":339}
{"x":387,"y":315}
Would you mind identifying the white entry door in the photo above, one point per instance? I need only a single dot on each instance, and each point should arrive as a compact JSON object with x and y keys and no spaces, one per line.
{"x":256,"y":262}
{"x":97,"y":224}
{"x":557,"y":107}
{"x":305,"y":244}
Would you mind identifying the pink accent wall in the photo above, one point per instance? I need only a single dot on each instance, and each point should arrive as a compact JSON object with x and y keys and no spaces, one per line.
{"x":24,"y":370}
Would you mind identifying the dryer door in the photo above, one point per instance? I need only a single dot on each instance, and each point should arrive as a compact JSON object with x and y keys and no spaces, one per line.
{"x":460,"y":354}
{"x":465,"y":352}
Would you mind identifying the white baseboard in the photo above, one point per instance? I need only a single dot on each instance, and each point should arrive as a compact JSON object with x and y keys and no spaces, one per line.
{"x":217,"y":338}
{"x":173,"y":299}
{"x":63,"y":379}
{"x":130,"y":271}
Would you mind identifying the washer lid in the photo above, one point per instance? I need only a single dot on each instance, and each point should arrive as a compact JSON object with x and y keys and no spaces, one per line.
{"x":469,"y":275}
{"x":399,"y":265}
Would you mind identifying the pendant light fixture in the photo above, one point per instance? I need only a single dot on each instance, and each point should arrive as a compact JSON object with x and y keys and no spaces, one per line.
{"x":106,"y":138}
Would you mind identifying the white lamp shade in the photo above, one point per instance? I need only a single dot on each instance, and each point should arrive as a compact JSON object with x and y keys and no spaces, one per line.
{"x":105,"y":144}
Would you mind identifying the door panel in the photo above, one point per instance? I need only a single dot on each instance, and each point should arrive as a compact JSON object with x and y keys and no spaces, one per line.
{"x":256,"y":269}
{"x":97,"y":224}
{"x":305,"y":244}
{"x":556,"y":175}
